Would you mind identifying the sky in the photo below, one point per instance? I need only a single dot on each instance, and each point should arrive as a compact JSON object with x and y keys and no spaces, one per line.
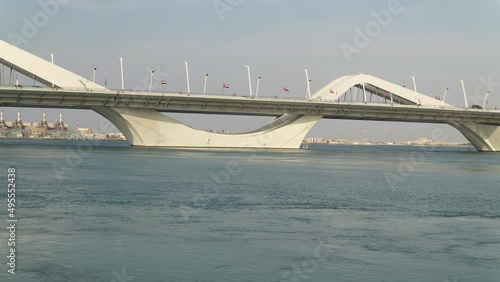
{"x":438,"y":42}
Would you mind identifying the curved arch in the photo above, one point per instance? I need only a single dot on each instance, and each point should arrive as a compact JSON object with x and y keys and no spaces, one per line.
{"x":42,"y":70}
{"x":147,"y":127}
{"x":375,"y":85}
{"x":485,"y":138}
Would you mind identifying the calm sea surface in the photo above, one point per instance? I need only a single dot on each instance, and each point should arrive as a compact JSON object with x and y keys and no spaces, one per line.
{"x":110,"y":212}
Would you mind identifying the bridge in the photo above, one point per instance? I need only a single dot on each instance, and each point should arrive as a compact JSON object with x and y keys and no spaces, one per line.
{"x":139,"y":115}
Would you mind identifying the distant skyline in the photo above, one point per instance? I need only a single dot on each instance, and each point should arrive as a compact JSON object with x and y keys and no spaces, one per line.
{"x":438,"y":42}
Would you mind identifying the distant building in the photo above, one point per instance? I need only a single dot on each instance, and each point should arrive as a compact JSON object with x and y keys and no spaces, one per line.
{"x":314,"y":140}
{"x":423,"y":141}
{"x":50,"y":130}
{"x":86,"y":133}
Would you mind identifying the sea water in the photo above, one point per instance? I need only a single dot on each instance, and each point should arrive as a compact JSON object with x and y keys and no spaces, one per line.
{"x":104,"y":211}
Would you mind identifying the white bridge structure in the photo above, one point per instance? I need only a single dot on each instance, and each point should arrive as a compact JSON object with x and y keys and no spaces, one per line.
{"x":140,"y":115}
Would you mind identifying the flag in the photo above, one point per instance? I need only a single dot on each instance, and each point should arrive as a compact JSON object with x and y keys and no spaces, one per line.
{"x":163,"y":82}
{"x":437,"y":98}
{"x":331,"y":91}
{"x":286,"y":89}
{"x":226,"y":85}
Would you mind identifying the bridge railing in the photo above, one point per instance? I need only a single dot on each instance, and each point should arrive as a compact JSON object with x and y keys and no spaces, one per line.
{"x":146,"y":93}
{"x":225,"y":95}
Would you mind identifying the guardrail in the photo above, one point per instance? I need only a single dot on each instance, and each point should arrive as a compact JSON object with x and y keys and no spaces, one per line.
{"x":215,"y":95}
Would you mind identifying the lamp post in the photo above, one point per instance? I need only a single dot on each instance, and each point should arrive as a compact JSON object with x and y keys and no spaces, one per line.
{"x":415,"y":89}
{"x":364,"y":88}
{"x":444,"y":96}
{"x":308,"y":83}
{"x":205,"y":85}
{"x":1,"y":73}
{"x":486,"y":99}
{"x":93,"y":79}
{"x":465,"y":94}
{"x":249,"y":81}
{"x":187,"y":77}
{"x":414,"y":83}
{"x":52,"y":60}
{"x":151,"y":81}
{"x":258,"y":84}
{"x":121,"y":72}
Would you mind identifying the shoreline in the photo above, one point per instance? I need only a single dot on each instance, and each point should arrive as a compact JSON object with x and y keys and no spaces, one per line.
{"x":353,"y":143}
{"x":458,"y":144}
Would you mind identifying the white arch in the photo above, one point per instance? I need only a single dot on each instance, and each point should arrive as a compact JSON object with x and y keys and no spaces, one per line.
{"x":374,"y":85}
{"x":147,"y":127}
{"x":43,"y":70}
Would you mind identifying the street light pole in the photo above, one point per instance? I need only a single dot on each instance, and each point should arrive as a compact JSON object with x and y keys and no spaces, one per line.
{"x":1,"y":73}
{"x":205,"y":86}
{"x":187,"y":77}
{"x":121,"y":72}
{"x":258,"y":84}
{"x":308,"y":82}
{"x":151,"y":81}
{"x":414,"y":83}
{"x":52,"y":60}
{"x":249,"y":81}
{"x":364,"y":88}
{"x":444,"y":96}
{"x":93,"y":79}
{"x":465,"y":94}
{"x":486,"y":99}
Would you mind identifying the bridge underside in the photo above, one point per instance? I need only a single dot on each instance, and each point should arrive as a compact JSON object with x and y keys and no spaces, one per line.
{"x":150,"y":128}
{"x":485,"y":138}
{"x":147,"y":127}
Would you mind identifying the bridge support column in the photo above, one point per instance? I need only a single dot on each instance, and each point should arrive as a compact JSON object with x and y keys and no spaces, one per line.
{"x":485,"y":138}
{"x":147,"y":127}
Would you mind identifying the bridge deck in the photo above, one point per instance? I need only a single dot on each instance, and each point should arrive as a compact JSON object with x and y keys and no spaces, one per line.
{"x":219,"y":104}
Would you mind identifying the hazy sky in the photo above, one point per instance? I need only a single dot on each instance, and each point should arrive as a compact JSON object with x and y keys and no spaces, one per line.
{"x":436,"y":41}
